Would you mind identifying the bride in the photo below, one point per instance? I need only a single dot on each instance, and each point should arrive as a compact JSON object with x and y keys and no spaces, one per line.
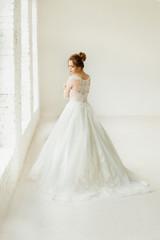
{"x":78,"y":160}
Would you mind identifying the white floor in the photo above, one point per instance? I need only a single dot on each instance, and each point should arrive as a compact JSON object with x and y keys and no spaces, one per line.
{"x":33,"y":216}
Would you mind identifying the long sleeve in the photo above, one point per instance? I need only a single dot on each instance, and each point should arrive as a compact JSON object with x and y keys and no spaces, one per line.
{"x":68,"y":88}
{"x":65,"y":94}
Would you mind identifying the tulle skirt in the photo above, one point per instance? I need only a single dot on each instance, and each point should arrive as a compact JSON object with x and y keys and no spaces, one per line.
{"x":79,"y":161}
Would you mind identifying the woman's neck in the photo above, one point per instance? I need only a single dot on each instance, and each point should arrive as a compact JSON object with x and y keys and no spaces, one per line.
{"x":80,"y":73}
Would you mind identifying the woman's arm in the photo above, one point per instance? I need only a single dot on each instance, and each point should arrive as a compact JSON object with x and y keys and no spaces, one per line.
{"x":67,"y":87}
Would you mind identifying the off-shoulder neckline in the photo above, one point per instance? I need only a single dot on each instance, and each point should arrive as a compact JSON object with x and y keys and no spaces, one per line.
{"x":80,"y":77}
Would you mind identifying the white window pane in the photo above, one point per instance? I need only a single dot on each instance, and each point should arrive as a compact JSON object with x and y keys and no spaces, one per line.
{"x":35,"y":57}
{"x":25,"y":67}
{"x":7,"y":87}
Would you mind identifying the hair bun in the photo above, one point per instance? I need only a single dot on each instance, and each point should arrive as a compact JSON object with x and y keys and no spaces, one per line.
{"x":82,"y":56}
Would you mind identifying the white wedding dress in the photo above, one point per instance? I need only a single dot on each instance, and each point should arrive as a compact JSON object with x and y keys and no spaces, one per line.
{"x":78,"y":160}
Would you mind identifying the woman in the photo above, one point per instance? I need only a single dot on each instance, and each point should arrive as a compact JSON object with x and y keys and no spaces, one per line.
{"x":78,"y":161}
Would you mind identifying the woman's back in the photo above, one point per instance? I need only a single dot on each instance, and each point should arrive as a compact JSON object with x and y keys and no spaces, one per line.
{"x":80,"y":88}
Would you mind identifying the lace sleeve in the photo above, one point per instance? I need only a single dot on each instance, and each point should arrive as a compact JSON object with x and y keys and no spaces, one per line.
{"x":64,"y":95}
{"x":68,"y":88}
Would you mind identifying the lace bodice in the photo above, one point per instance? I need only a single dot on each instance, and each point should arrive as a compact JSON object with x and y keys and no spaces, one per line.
{"x":82,"y":94}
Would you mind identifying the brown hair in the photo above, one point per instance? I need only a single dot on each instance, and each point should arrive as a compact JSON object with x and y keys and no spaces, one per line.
{"x":78,"y":59}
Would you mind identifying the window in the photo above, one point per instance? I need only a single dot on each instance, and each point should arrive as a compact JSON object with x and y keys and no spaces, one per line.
{"x":19,"y":87}
{"x":25,"y":67}
{"x":35,"y":57}
{"x":7,"y":87}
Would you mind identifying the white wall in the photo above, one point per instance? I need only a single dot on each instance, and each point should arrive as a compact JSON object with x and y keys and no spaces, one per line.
{"x":122,"y":43}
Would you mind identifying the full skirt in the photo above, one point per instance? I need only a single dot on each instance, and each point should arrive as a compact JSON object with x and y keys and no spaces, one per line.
{"x":79,"y":161}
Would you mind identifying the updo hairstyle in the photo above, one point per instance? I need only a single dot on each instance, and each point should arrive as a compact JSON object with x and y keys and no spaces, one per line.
{"x":78,"y":59}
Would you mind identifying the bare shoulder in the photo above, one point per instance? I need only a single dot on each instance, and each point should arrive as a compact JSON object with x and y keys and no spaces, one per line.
{"x":85,"y":76}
